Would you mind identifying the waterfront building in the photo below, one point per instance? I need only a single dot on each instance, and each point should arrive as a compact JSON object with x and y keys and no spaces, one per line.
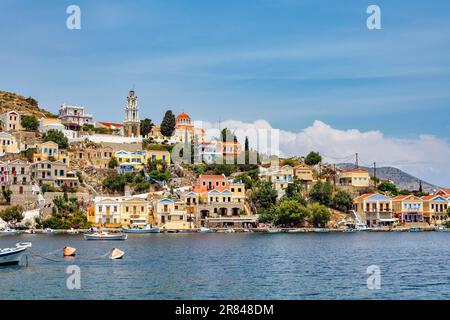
{"x":50,"y":151}
{"x":214,"y":197}
{"x":172,"y":214}
{"x":75,"y":116}
{"x":354,"y":178}
{"x":125,"y":211}
{"x":11,"y":121}
{"x":132,"y":122}
{"x":408,"y":208}
{"x":375,"y":209}
{"x":435,"y":209}
{"x":8,"y":143}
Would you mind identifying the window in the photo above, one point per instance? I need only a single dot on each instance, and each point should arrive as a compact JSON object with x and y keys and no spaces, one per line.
{"x":100,"y":208}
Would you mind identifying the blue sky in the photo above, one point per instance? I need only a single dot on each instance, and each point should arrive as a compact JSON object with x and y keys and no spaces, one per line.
{"x":288,"y":62}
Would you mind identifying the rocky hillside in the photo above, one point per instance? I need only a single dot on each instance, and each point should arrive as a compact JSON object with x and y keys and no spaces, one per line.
{"x":402,"y":179}
{"x":11,"y":101}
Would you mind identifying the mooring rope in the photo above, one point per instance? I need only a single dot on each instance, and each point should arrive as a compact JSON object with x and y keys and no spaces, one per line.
{"x":63,"y":260}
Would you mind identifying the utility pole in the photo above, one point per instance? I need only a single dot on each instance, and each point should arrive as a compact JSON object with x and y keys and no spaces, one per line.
{"x":357,"y":165}
{"x":334,"y":178}
{"x":375,"y":174}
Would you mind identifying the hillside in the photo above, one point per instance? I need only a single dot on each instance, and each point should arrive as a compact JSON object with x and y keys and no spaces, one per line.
{"x":402,"y":179}
{"x":11,"y":101}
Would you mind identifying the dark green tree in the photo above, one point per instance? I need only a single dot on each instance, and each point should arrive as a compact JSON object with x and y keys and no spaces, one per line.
{"x":264,"y":197}
{"x":113,"y":163}
{"x":168,"y":124}
{"x":12,"y":214}
{"x":313,"y":158}
{"x":387,"y":186}
{"x":146,"y":126}
{"x":319,"y":215}
{"x":342,"y":201}
{"x":321,"y":192}
{"x":29,"y":123}
{"x":57,"y":137}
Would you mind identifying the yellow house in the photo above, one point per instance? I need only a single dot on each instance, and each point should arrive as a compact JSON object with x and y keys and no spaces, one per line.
{"x":48,"y":150}
{"x":280,"y":177}
{"x":238,"y":191}
{"x":8,"y":143}
{"x":138,"y":159}
{"x":135,"y":212}
{"x":435,"y":208}
{"x":113,"y":212}
{"x":354,"y":177}
{"x":172,"y":214}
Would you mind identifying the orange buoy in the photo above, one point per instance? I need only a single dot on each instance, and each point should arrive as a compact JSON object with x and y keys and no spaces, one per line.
{"x":69,"y":252}
{"x":116,"y":254}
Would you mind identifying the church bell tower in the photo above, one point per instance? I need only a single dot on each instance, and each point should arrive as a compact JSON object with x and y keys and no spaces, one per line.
{"x":132,"y":123}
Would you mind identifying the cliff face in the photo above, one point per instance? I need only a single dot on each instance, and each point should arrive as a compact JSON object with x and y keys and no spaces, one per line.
{"x":402,"y":179}
{"x":11,"y":101}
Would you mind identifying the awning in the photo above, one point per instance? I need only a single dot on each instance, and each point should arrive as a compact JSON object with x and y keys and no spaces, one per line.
{"x":388,"y":220}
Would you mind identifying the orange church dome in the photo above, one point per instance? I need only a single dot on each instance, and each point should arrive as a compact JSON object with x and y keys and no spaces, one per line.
{"x":183,"y":116}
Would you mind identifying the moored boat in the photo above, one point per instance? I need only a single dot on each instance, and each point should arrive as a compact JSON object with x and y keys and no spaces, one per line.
{"x":146,"y":229}
{"x":105,"y":236}
{"x":415,"y":229}
{"x":441,"y":229}
{"x":9,"y":231}
{"x":205,"y":230}
{"x":11,"y":256}
{"x":274,"y":230}
{"x":321,"y":230}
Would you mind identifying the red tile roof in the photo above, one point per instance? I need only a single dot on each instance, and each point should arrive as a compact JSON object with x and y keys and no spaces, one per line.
{"x":110,"y":124}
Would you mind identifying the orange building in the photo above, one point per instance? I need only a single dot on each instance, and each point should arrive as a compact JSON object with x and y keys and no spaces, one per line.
{"x":208,"y":182}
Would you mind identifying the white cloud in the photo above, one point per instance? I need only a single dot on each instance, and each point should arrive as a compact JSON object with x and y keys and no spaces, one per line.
{"x":426,"y":156}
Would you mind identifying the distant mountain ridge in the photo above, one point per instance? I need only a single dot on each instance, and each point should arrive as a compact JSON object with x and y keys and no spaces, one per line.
{"x":402,"y":179}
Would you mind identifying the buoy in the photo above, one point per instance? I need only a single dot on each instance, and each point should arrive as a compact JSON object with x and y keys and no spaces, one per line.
{"x":116,"y":254}
{"x":69,"y":252}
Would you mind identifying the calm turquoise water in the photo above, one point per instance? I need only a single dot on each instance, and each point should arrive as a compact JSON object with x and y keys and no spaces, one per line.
{"x":237,"y":266}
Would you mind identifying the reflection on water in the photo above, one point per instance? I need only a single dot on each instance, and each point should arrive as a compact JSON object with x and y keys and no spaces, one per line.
{"x":235,"y":266}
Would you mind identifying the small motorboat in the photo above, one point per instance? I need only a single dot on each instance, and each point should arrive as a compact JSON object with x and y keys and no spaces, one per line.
{"x":321,"y":230}
{"x":105,"y":236}
{"x":11,"y":256}
{"x":147,"y":229}
{"x":116,"y":254}
{"x":8,"y":231}
{"x":274,"y":230}
{"x":415,"y":229}
{"x":69,"y":252}
{"x":226,"y":230}
{"x":349,"y":230}
{"x":72,"y":231}
{"x":24,"y":244}
{"x":205,"y":230}
{"x":441,"y":229}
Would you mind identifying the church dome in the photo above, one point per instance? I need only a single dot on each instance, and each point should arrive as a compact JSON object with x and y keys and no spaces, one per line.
{"x":183,"y":116}
{"x":183,"y":119}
